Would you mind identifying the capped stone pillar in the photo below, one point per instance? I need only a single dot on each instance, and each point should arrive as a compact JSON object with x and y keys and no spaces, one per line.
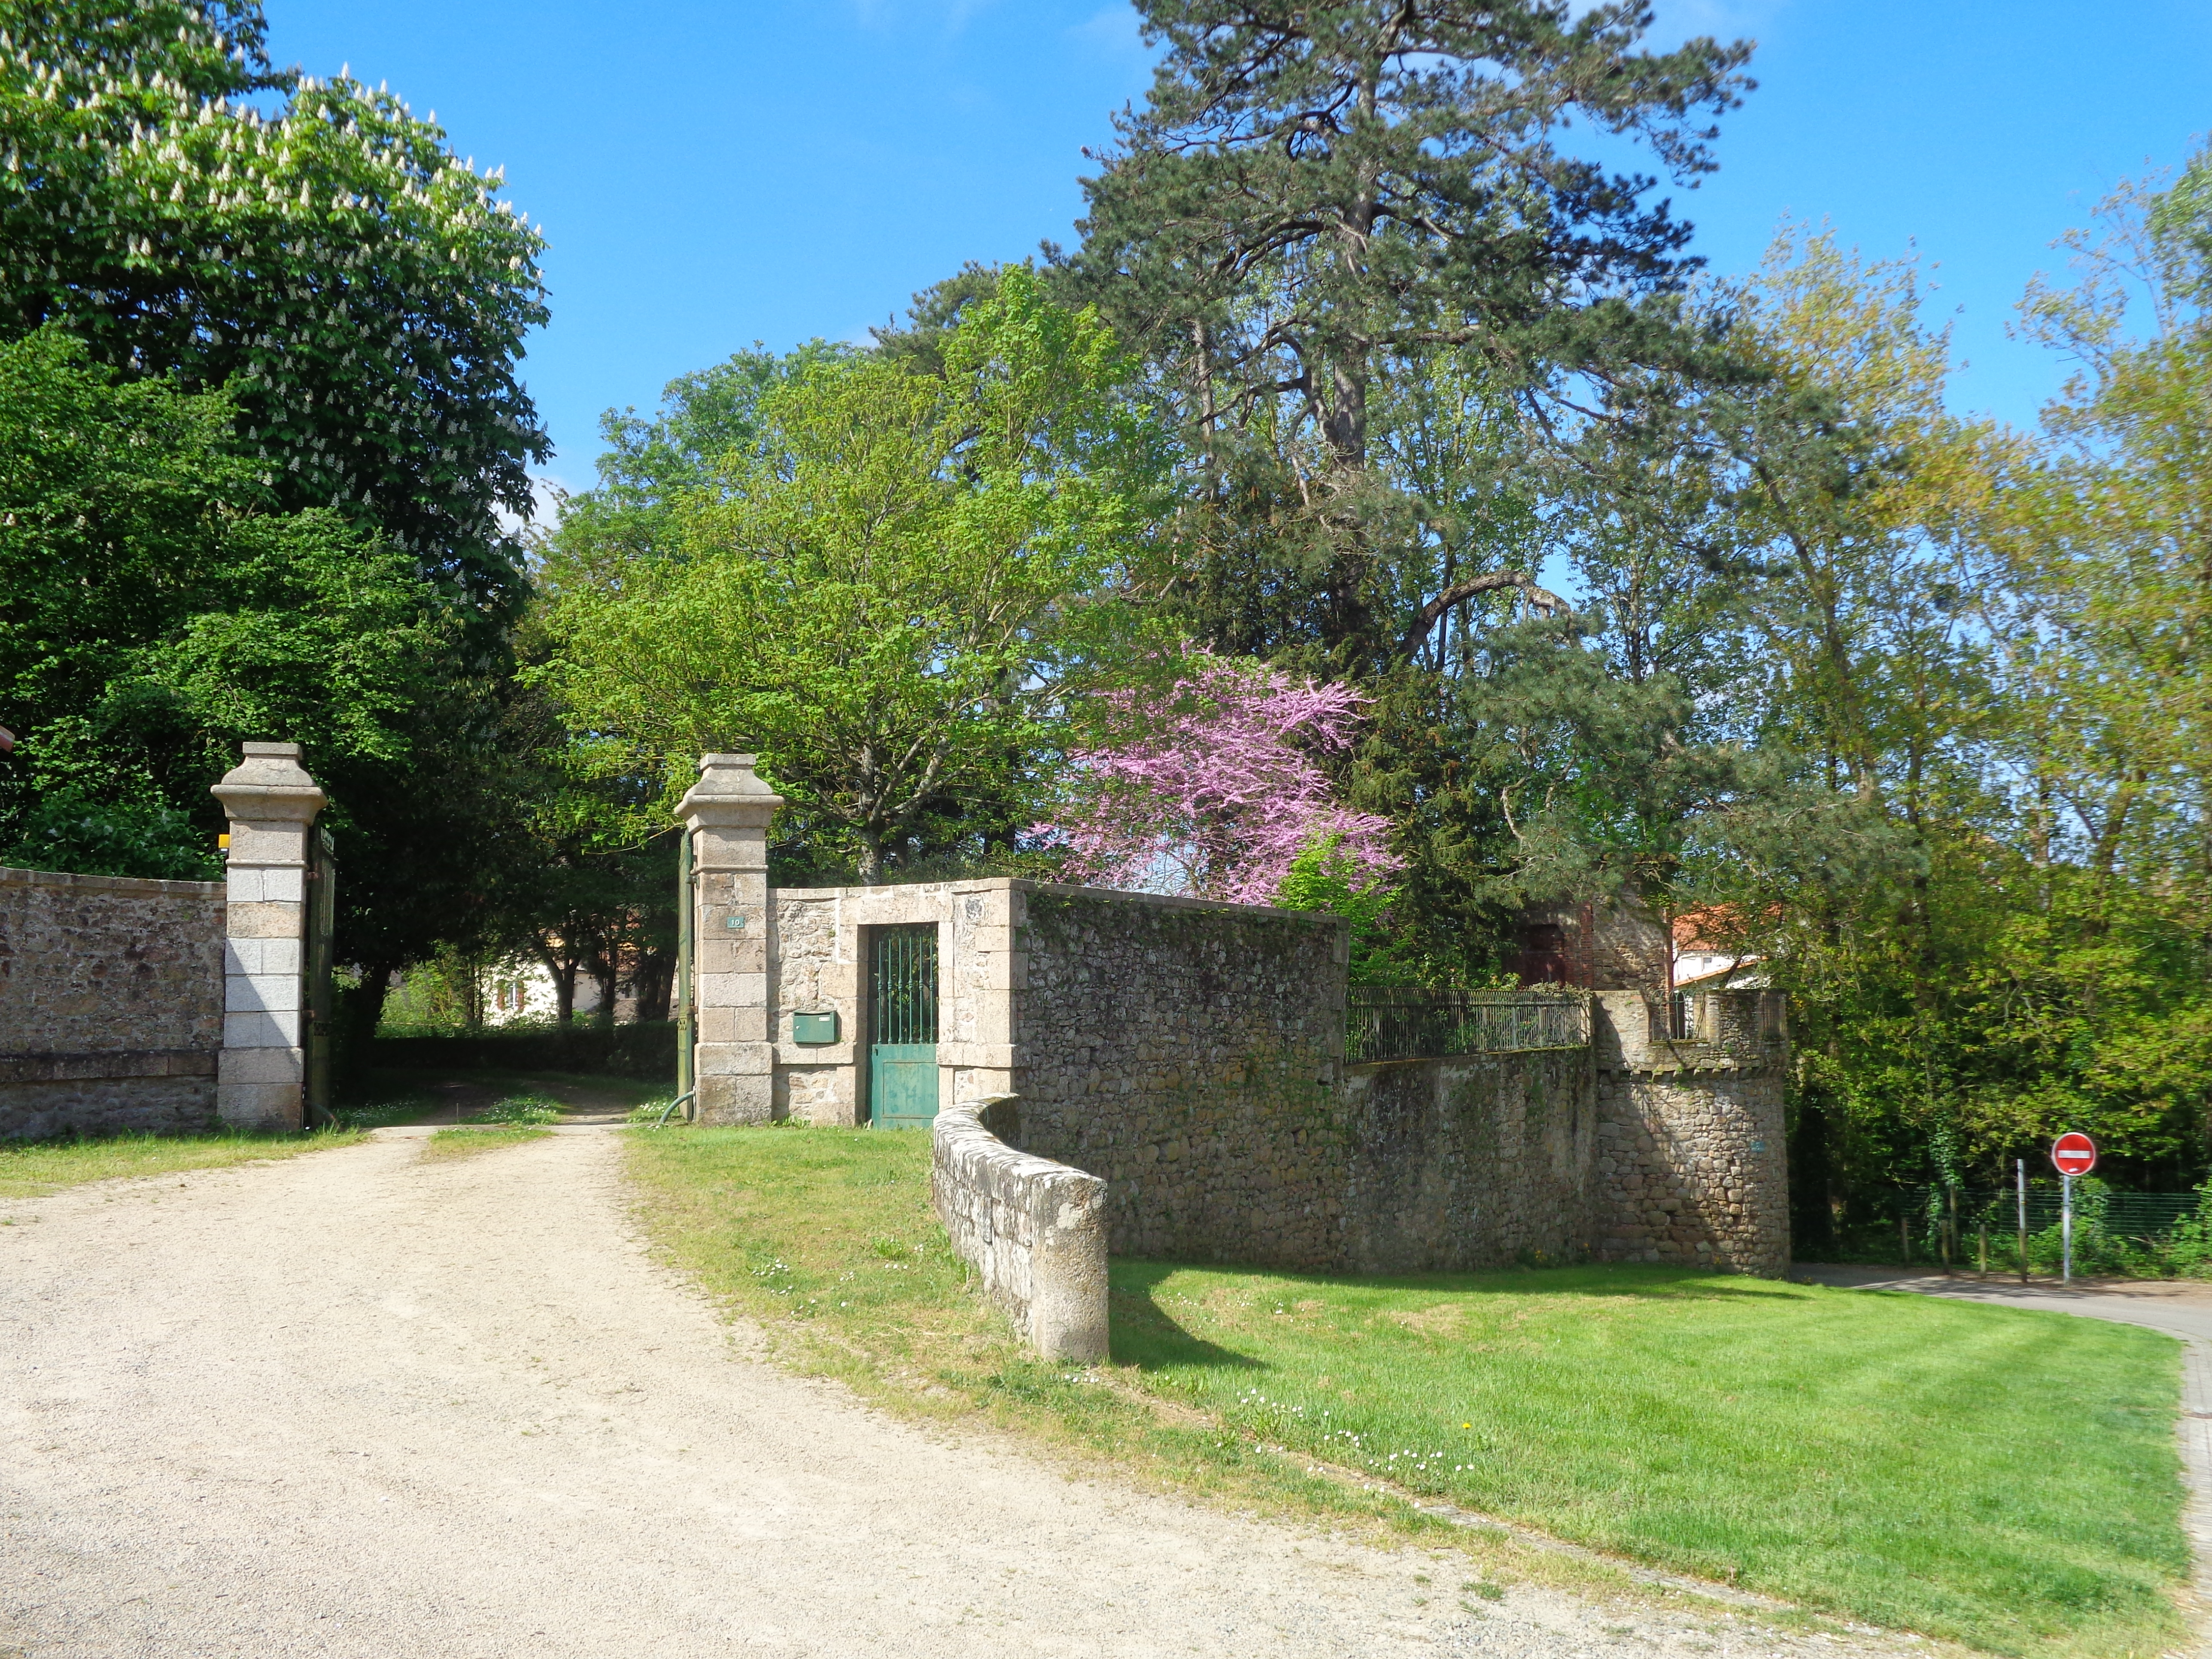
{"x":733,"y":1059}
{"x":261,"y":1076}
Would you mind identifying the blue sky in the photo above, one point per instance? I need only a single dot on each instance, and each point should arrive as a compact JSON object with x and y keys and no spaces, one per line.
{"x":711,"y":174}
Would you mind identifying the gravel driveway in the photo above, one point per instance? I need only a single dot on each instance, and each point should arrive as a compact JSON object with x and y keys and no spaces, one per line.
{"x":355,"y":1404}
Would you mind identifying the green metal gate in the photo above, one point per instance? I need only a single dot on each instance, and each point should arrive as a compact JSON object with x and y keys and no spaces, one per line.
{"x":315,"y":972}
{"x":903,"y":1026}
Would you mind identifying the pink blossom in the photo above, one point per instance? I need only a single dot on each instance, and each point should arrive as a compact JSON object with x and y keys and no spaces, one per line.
{"x":1219,"y":798}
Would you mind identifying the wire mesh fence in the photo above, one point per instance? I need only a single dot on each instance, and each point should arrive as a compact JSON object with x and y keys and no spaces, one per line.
{"x":2135,"y":1214}
{"x":1415,"y":1022}
{"x":1970,"y":1227}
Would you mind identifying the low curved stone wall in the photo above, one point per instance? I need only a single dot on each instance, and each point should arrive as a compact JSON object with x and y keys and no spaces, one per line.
{"x":1035,"y":1229}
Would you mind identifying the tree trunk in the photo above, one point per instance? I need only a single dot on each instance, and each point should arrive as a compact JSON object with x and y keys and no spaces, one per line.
{"x":605,"y":974}
{"x":654,"y":982}
{"x":562,"y":965}
{"x":361,"y":1010}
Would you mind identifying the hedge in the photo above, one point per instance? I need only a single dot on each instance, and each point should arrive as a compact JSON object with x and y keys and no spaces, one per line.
{"x":645,"y":1050}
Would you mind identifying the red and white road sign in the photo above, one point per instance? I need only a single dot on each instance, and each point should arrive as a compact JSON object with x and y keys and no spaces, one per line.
{"x":2074,"y":1154}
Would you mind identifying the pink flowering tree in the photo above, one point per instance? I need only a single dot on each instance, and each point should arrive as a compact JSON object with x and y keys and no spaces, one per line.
{"x":1219,"y":797}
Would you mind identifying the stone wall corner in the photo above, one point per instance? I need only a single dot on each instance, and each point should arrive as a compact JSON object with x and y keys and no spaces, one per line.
{"x":1034,"y":1231}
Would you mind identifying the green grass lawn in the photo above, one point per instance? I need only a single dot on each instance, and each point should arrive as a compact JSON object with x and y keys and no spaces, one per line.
{"x":28,"y":1169}
{"x":2004,"y":1479}
{"x":445,"y":1143}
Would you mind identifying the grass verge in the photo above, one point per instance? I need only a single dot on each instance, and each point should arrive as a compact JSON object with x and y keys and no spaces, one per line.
{"x":28,"y":1170}
{"x":2003,"y":1478}
{"x":445,"y":1145}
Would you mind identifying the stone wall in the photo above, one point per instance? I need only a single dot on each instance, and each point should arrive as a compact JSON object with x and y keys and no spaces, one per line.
{"x":111,"y":1004}
{"x":1189,"y":1054}
{"x":1690,"y":1165}
{"x":1034,"y":1229}
{"x":1469,"y":1162}
{"x":819,"y":965}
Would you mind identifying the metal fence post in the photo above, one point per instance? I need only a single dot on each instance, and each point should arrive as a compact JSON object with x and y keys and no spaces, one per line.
{"x":2019,"y":1174}
{"x":2066,"y":1228}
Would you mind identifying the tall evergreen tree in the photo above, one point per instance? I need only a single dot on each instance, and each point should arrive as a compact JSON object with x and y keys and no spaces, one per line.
{"x":1314,"y":199}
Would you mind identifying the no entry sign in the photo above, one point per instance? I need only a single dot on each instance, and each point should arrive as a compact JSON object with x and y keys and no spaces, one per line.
{"x":2074,"y":1154}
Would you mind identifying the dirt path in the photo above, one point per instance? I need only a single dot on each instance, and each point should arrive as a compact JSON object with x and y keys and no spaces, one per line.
{"x":357,"y":1405}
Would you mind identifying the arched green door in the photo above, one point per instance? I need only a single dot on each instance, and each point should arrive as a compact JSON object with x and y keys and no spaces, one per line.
{"x":903,"y":1026}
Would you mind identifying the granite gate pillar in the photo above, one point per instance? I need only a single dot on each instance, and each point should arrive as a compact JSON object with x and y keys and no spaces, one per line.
{"x":733,"y":1058}
{"x":261,"y":1074}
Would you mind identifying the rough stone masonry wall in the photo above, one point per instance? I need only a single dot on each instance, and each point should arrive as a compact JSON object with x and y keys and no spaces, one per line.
{"x":1035,"y":1230}
{"x":111,"y":1004}
{"x":1469,"y":1162}
{"x":818,"y":966}
{"x":1690,"y":1161}
{"x":1190,"y":1054}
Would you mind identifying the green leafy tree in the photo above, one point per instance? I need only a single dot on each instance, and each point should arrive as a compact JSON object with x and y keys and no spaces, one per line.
{"x":590,"y":891}
{"x":200,"y":220}
{"x":651,"y":468}
{"x":361,"y":291}
{"x":156,"y":605}
{"x":1376,"y":282}
{"x":884,"y":600}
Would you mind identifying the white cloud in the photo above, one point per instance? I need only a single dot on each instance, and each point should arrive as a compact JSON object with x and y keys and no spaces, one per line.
{"x":547,"y":491}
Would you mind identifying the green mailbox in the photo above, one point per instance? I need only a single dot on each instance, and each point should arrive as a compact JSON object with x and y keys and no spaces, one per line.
{"x":814,"y":1029}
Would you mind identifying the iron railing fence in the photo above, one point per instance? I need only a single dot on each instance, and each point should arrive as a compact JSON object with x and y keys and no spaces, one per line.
{"x":1416,"y":1022}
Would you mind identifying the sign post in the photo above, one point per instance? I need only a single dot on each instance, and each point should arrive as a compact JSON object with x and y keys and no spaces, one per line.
{"x":2075,"y":1154}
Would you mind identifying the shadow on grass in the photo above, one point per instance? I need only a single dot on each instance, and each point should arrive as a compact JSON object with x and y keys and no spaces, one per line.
{"x":1633,"y":1282}
{"x":449,"y":1096}
{"x":1144,"y":1334}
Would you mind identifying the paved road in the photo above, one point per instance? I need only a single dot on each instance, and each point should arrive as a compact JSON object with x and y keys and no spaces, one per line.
{"x":2183,"y":1307}
{"x":355,"y":1404}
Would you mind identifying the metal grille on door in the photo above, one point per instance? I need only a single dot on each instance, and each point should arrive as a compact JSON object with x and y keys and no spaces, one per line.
{"x":902,"y":1025}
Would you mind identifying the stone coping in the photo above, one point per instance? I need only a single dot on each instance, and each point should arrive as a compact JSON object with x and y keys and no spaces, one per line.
{"x":133,"y":886}
{"x":108,"y":1065}
{"x":1064,"y":889}
{"x":1684,"y":1059}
